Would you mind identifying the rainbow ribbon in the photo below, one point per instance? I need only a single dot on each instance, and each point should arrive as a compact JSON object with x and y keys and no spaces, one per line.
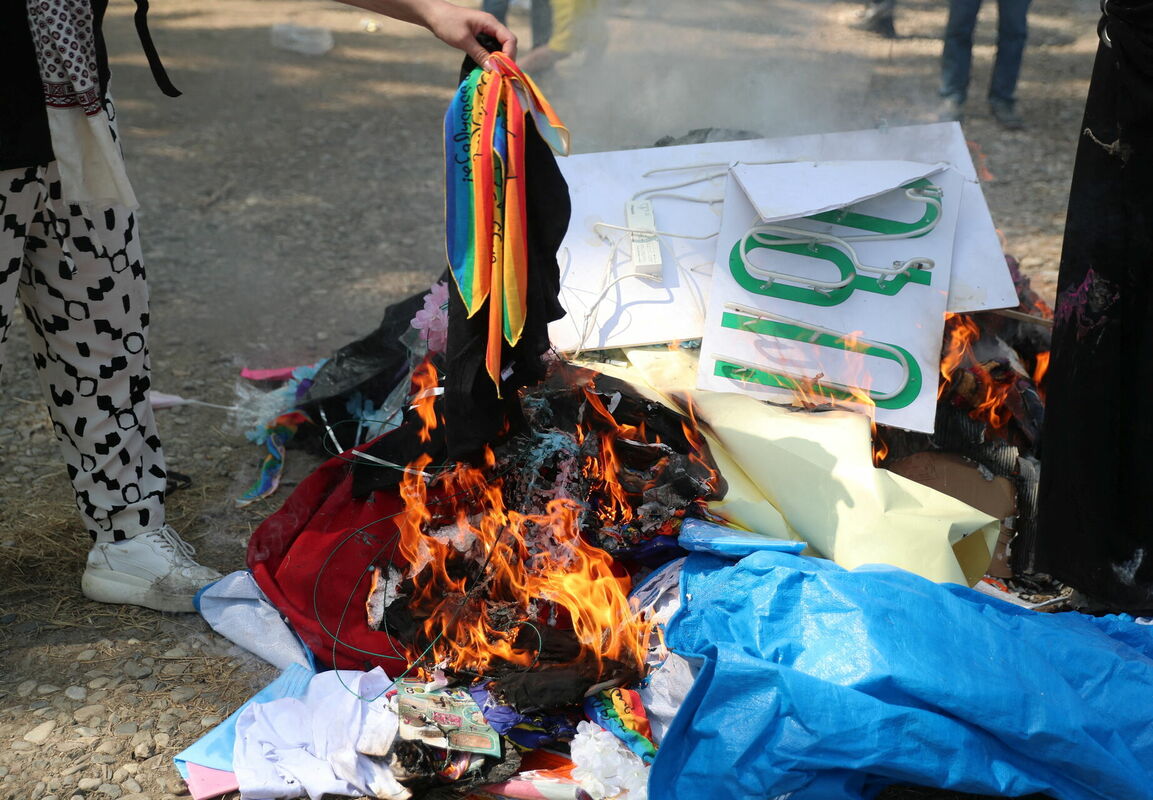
{"x":622,"y":712}
{"x":486,"y":236}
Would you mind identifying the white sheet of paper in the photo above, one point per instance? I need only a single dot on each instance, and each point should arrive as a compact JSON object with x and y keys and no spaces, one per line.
{"x":904,"y":326}
{"x":636,"y":311}
{"x":799,"y":188}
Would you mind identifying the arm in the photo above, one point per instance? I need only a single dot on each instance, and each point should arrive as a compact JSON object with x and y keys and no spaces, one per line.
{"x":451,"y":24}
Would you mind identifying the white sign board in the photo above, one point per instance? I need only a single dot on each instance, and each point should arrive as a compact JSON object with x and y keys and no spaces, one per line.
{"x":844,"y":302}
{"x":616,"y":297}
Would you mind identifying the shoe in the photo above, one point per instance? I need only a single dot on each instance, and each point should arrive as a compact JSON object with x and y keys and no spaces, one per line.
{"x":1006,"y":114}
{"x":877,"y":18}
{"x":951,"y":110}
{"x":154,"y":569}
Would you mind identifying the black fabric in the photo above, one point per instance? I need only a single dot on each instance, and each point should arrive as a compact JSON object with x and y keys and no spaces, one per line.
{"x":154,"y":65}
{"x":24,"y":140}
{"x":24,"y":136}
{"x":1096,"y":514}
{"x":474,"y":415}
{"x":373,"y":364}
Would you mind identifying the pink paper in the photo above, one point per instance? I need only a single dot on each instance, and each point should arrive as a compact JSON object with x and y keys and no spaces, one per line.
{"x":206,"y":782}
{"x":274,"y":374}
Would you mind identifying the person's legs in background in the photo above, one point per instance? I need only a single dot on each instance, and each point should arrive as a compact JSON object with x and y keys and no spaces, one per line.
{"x":541,"y":17}
{"x":498,"y":8}
{"x":574,"y":26}
{"x":1012,"y":33}
{"x":877,"y":17}
{"x":82,"y":285}
{"x":957,"y":57}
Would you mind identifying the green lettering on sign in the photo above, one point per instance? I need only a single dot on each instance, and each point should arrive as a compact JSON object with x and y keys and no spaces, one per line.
{"x":900,"y":398}
{"x":831,"y":293}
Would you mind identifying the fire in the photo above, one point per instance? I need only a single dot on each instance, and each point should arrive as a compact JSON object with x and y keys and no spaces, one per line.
{"x":604,"y":467}
{"x":988,"y":396}
{"x":493,"y":585}
{"x":980,"y":160}
{"x":855,"y":393}
{"x":692,"y":431}
{"x":424,"y":384}
{"x":987,"y":388}
{"x":1040,"y":369}
{"x":960,"y":333}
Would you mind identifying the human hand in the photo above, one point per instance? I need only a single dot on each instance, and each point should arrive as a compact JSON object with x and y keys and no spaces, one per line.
{"x":460,"y":27}
{"x":450,"y":23}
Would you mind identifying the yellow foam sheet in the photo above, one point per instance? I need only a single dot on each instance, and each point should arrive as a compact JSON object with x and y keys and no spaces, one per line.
{"x":810,"y":476}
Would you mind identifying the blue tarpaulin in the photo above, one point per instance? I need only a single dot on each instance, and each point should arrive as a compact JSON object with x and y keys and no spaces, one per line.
{"x":833,"y":684}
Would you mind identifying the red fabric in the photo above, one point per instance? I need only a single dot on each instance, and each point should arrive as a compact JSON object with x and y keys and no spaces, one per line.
{"x":313,"y":557}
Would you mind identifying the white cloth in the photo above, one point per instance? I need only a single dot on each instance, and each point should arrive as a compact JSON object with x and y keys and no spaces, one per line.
{"x":670,"y":676}
{"x":92,"y":172}
{"x":237,"y":609}
{"x":306,"y":747}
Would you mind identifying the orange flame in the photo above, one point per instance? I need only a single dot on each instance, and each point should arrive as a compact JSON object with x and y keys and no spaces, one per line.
{"x":604,"y":466}
{"x":424,"y":381}
{"x":487,"y":576}
{"x":810,"y":393}
{"x":696,"y":440}
{"x":960,"y":333}
{"x":980,"y":162}
{"x":986,"y":388}
{"x":1041,"y":369}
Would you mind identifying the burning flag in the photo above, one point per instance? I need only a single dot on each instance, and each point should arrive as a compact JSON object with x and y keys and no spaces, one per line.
{"x":487,"y":218}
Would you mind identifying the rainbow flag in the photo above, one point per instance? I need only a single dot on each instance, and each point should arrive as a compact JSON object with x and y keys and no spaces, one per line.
{"x":486,"y":233}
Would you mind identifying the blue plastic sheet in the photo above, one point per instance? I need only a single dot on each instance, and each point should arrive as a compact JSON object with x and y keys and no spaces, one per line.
{"x":833,"y":684}
{"x":701,"y":536}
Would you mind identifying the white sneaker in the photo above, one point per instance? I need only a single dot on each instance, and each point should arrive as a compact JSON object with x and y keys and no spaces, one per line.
{"x":154,"y":569}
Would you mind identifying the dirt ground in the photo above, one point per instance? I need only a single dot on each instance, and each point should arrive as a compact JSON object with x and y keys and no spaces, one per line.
{"x":287,"y":198}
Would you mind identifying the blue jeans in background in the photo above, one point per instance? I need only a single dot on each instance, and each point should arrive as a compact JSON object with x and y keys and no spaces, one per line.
{"x":541,"y":17}
{"x":957,"y":57}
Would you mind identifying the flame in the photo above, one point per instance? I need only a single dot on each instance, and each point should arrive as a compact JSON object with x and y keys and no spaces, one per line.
{"x":1040,"y":370}
{"x":489,"y":581}
{"x":989,"y":400}
{"x":696,"y":440}
{"x":855,"y":394}
{"x":985,"y":388}
{"x":880,"y":447}
{"x":980,"y":159}
{"x":604,"y":466}
{"x":424,"y":382}
{"x":490,"y":576}
{"x":960,"y":333}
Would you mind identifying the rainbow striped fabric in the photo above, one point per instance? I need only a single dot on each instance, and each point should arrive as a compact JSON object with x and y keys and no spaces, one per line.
{"x":486,"y":232}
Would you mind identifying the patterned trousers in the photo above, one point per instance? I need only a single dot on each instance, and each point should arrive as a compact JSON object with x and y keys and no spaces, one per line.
{"x":81,"y":282}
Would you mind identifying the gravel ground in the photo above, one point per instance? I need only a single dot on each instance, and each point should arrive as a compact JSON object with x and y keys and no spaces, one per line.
{"x":288,"y":198}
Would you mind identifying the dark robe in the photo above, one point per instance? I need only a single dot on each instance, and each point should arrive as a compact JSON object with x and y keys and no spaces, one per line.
{"x":1096,"y":494}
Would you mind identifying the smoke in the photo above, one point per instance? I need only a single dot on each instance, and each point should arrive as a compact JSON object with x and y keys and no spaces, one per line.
{"x":645,"y":69}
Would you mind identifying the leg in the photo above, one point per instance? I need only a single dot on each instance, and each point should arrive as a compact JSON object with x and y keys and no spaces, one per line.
{"x":957,"y":55}
{"x":498,"y":8}
{"x":541,"y":22}
{"x":86,"y":302}
{"x":21,"y":192}
{"x":1012,"y":32}
{"x":877,"y":17}
{"x":84,"y":295}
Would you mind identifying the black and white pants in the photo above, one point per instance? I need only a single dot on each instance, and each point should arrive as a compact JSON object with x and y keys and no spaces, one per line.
{"x":81,"y":282}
